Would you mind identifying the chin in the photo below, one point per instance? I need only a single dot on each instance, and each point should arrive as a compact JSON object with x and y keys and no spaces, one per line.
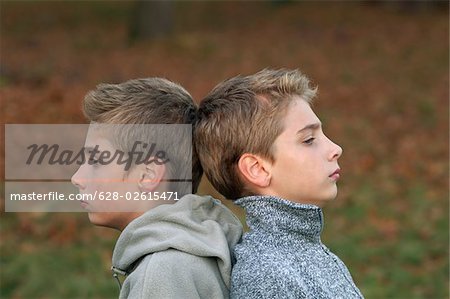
{"x":332,"y":195}
{"x":100,"y":219}
{"x":326,"y":199}
{"x":331,"y":198}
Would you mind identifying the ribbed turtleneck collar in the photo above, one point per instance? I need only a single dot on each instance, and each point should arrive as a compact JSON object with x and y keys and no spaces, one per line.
{"x":278,"y":215}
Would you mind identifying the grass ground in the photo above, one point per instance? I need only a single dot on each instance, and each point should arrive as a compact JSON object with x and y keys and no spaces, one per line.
{"x":383,"y":77}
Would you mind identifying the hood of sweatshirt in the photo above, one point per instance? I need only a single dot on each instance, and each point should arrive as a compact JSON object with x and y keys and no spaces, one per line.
{"x":198,"y":225}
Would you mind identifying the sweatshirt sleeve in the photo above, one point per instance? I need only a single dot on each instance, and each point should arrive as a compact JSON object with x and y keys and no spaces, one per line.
{"x":175,"y":274}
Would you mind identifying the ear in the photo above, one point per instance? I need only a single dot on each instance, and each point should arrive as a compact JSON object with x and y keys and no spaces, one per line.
{"x":151,"y":176}
{"x":255,"y":169}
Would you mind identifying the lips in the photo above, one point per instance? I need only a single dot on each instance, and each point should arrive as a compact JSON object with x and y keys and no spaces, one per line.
{"x":336,"y":174}
{"x":84,"y":204}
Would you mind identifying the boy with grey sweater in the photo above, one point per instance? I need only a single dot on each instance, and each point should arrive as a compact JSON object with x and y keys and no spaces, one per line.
{"x":260,"y":144}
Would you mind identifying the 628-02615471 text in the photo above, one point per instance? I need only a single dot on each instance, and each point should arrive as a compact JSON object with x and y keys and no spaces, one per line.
{"x":58,"y":196}
{"x":166,"y":195}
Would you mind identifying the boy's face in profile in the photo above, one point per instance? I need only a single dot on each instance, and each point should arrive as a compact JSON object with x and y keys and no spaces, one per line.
{"x":305,"y":167}
{"x":110,"y":180}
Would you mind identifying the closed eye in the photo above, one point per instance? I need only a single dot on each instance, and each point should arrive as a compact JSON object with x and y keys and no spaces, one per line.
{"x":309,"y":141}
{"x":93,"y":162}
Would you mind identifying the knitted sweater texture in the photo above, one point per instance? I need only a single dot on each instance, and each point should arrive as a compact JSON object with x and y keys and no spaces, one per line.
{"x":283,"y":256}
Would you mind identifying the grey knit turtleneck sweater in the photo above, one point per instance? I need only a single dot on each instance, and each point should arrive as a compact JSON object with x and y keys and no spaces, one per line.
{"x":283,"y":257}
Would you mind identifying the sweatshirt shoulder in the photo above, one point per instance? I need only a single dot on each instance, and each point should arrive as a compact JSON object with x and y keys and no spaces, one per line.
{"x":172,"y":260}
{"x":176,"y":274}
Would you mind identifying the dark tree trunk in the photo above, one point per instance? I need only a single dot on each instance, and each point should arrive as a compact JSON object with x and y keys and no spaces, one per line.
{"x":151,"y":19}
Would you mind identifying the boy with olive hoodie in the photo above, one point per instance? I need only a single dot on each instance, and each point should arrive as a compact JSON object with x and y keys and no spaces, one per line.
{"x":173,"y":244}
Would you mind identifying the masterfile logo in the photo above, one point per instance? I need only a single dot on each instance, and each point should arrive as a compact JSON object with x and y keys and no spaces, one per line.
{"x":40,"y":161}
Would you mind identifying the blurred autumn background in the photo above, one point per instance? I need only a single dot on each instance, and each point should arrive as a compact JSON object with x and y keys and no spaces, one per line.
{"x":383,"y":74}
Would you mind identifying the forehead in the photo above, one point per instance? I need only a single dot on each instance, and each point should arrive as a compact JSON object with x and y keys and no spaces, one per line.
{"x":97,"y":136}
{"x":299,"y":114}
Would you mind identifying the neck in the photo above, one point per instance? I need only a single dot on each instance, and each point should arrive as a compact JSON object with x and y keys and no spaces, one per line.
{"x":128,"y":217}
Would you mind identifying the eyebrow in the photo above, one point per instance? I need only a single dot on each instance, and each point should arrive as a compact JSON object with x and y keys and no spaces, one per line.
{"x":314,"y":126}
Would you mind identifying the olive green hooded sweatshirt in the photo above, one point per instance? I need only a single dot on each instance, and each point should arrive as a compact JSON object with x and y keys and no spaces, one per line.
{"x":180,"y":250}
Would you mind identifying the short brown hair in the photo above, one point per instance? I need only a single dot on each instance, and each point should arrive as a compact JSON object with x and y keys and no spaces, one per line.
{"x":145,"y":101}
{"x":244,"y":115}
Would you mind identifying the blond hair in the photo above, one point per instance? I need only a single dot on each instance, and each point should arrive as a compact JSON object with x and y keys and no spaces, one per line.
{"x":147,"y":101}
{"x":244,"y":115}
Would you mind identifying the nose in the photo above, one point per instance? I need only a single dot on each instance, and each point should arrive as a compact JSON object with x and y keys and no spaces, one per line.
{"x":77,"y":180}
{"x":335,"y":152}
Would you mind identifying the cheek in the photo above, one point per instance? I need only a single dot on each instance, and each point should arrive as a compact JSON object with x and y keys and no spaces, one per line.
{"x":108,"y":178}
{"x":313,"y":166}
